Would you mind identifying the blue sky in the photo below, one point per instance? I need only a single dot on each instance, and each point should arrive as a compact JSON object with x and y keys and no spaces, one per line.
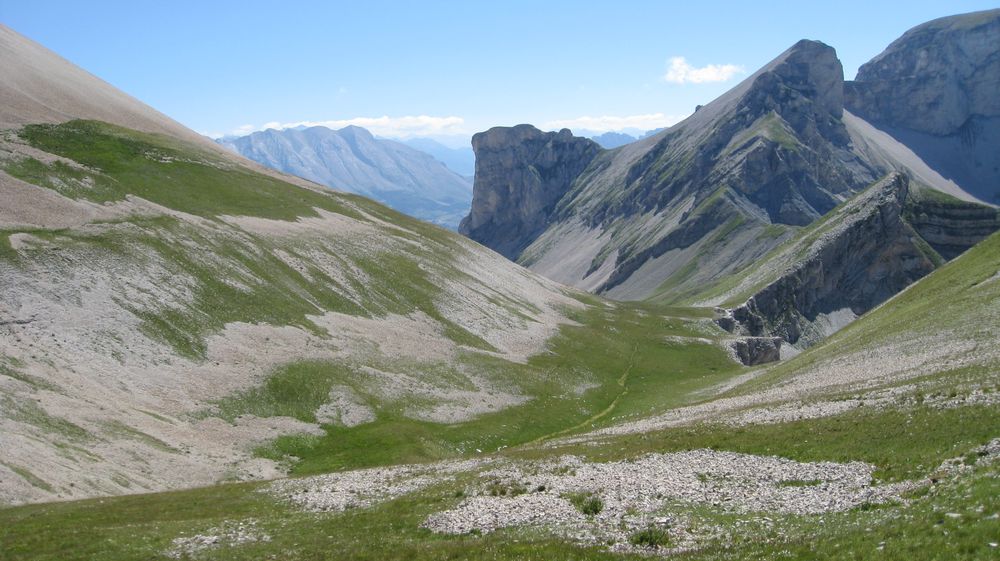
{"x":447,"y":68}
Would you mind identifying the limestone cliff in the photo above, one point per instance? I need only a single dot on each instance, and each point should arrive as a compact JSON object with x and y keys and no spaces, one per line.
{"x":705,"y":212}
{"x":521,"y":173}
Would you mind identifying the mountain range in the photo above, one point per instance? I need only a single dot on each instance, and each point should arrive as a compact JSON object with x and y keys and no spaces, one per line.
{"x":613,"y":139}
{"x":673,"y":217}
{"x":352,"y":159}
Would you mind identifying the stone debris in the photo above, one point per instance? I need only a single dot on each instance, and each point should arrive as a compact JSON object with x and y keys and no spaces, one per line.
{"x":882,"y":399}
{"x":637,"y":494}
{"x":231,"y":534}
{"x":336,"y":492}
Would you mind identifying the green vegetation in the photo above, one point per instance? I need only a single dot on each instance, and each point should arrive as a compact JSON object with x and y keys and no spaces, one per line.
{"x":800,"y":483}
{"x":7,"y":252}
{"x":777,"y":130}
{"x":117,"y":161}
{"x":27,"y":411}
{"x":141,"y":527}
{"x":652,"y":537}
{"x":607,"y":345}
{"x":31,"y":478}
{"x":498,"y":488}
{"x":117,"y":429}
{"x":586,"y":503}
{"x":34,"y":381}
{"x":902,"y":443}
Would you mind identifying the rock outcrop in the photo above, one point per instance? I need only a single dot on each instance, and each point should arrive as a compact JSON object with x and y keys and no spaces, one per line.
{"x":949,"y":225}
{"x":521,"y":173}
{"x":720,"y":187}
{"x":686,"y":215}
{"x":757,"y":350}
{"x":878,"y":244}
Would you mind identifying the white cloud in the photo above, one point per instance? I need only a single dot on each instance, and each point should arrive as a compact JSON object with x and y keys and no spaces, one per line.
{"x":607,"y":123}
{"x":243,"y":129}
{"x":681,"y":72}
{"x":393,"y":127}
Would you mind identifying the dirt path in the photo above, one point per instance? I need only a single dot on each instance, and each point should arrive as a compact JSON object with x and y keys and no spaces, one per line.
{"x":604,"y":412}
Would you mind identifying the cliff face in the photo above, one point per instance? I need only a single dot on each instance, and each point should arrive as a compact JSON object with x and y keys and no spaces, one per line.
{"x":935,"y":90}
{"x":686,"y":215}
{"x":521,"y":173}
{"x":951,"y":226}
{"x":935,"y":77}
{"x":861,"y":262}
{"x":776,"y":140}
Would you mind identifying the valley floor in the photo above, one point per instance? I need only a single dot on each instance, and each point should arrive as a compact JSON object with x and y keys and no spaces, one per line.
{"x":808,"y":459}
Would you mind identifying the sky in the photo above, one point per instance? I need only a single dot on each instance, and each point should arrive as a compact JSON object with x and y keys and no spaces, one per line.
{"x":447,"y":69}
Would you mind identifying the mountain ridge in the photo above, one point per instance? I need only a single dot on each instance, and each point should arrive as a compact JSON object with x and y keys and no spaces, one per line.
{"x":353,"y":160}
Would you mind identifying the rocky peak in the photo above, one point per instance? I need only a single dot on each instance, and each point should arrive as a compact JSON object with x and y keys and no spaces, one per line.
{"x":812,"y":69}
{"x":805,"y":86}
{"x":935,"y":77}
{"x":521,"y":173}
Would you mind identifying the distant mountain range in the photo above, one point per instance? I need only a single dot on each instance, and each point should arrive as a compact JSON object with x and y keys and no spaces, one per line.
{"x":613,"y":139}
{"x":459,"y":160}
{"x":352,"y":159}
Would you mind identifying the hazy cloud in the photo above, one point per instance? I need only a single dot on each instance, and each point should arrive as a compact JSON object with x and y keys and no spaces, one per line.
{"x":395,"y":127}
{"x":607,"y":123}
{"x":681,"y":72}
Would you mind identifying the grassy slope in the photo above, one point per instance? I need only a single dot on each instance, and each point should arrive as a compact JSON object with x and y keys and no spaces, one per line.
{"x":621,"y":352}
{"x":141,"y":527}
{"x":237,"y":276}
{"x":962,"y":299}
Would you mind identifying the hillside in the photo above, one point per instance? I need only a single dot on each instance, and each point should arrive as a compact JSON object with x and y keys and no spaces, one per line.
{"x":175,"y":316}
{"x":710,"y":194}
{"x":353,"y":160}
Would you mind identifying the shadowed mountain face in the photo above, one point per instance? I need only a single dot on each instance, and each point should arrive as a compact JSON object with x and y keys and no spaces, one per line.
{"x":351,"y":159}
{"x":935,"y":90}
